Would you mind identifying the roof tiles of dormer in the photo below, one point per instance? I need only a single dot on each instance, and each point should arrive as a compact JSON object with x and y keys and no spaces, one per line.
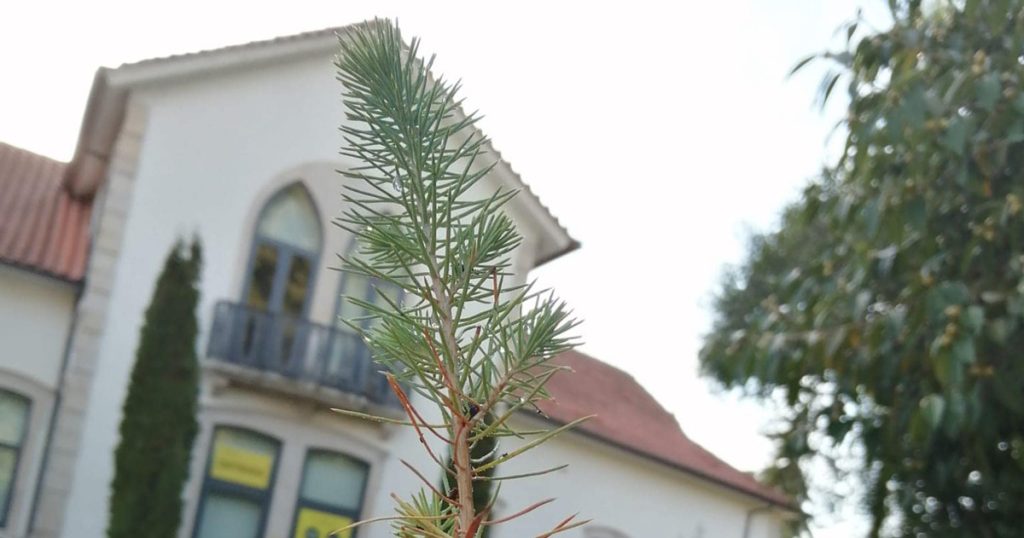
{"x":42,"y":227}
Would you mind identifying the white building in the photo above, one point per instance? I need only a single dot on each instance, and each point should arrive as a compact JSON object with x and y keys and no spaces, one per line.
{"x":240,"y":145}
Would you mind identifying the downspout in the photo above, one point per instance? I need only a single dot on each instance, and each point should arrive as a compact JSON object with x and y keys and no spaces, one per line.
{"x":748,"y":521}
{"x":101,"y":124}
{"x":54,"y":411}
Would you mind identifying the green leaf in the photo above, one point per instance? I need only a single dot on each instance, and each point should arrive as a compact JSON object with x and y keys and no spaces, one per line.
{"x":850,"y":30}
{"x":1015,"y":305}
{"x":955,"y":137}
{"x":897,"y":320}
{"x":1015,"y":133}
{"x":835,"y":341}
{"x":944,"y":367}
{"x":861,"y":303}
{"x":872,"y":214}
{"x":915,"y":214}
{"x":999,"y":330}
{"x":944,"y":295}
{"x":914,"y":107}
{"x":933,"y":406}
{"x":1009,"y":391}
{"x":827,"y":85}
{"x":962,"y":174}
{"x":801,"y":64}
{"x":963,"y":351}
{"x":956,"y":414}
{"x":974,"y":318}
{"x":988,"y":91}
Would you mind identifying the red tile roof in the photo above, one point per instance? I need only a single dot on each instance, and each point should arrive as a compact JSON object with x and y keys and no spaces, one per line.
{"x":42,"y":227}
{"x":630,"y":418}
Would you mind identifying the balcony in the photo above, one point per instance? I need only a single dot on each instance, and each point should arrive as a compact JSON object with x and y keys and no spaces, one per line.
{"x":298,"y":356}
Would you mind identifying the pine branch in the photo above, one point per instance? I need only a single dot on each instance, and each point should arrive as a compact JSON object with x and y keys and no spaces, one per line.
{"x":466,"y":340}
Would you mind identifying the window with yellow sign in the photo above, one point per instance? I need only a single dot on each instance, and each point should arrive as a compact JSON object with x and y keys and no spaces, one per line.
{"x":313,"y":523}
{"x":239,"y":479}
{"x":331,"y":495}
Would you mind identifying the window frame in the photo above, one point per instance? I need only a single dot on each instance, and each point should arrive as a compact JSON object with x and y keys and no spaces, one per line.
{"x":285,"y":251}
{"x":371,"y":292}
{"x":5,"y":508}
{"x":381,"y":391}
{"x":235,"y":490}
{"x":302,"y":503}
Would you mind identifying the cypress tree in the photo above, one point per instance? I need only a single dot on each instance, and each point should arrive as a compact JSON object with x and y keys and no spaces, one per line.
{"x":159,"y":420}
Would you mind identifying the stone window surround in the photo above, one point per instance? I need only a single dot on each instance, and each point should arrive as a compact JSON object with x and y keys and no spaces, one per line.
{"x":276,"y":419}
{"x":26,"y":473}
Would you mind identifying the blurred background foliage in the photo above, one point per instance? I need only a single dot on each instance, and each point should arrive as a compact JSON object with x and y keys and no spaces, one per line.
{"x":886,"y":311}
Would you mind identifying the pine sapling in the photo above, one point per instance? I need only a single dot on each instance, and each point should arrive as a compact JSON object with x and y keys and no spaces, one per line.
{"x":467,"y":339}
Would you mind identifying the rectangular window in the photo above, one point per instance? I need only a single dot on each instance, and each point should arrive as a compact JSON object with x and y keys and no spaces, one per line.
{"x":238,"y":483}
{"x":13,"y":420}
{"x":331,"y":495}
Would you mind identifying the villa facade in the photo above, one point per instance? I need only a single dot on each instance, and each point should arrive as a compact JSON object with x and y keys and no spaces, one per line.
{"x":239,"y":146}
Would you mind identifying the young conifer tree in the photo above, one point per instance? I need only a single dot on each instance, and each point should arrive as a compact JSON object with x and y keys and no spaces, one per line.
{"x":159,"y":421}
{"x":466,"y":340}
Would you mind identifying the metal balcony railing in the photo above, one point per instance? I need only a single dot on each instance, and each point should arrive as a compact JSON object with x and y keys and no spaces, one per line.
{"x":297,"y":349}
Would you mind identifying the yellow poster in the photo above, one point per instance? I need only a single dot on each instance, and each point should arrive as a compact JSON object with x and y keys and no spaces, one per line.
{"x":240,"y":466}
{"x":316,"y":524}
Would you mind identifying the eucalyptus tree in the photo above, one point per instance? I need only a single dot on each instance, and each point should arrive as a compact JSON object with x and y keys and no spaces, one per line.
{"x":466,"y":340}
{"x":888,"y":310}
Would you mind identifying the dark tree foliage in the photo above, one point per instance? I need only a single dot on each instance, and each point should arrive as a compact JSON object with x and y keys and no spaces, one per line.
{"x":887,"y":311}
{"x":159,"y":420}
{"x":483,"y":491}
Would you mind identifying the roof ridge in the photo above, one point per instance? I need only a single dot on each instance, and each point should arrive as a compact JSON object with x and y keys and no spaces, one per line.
{"x":633,"y":378}
{"x":605,"y":363}
{"x":32,"y":153}
{"x":310,"y":34}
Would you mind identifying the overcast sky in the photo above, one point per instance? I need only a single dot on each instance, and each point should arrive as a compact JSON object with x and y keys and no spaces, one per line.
{"x":660,"y":134}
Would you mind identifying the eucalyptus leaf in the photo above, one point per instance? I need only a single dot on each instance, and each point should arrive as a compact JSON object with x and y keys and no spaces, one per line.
{"x":955,"y":137}
{"x":934,"y":406}
{"x":989,"y":89}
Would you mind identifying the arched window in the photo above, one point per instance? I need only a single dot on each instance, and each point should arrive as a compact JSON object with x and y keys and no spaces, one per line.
{"x":285,"y":251}
{"x":13,"y":423}
{"x":238,"y":484}
{"x":286,"y":246}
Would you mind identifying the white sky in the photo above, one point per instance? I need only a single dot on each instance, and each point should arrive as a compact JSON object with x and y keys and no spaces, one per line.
{"x":660,"y":133}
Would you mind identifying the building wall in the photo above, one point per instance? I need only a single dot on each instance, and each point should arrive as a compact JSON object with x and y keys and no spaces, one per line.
{"x":301,"y":425}
{"x":64,"y":449}
{"x":214,"y":150}
{"x":35,"y":316}
{"x":619,"y":491}
{"x":623,"y":492}
{"x":35,"y":313}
